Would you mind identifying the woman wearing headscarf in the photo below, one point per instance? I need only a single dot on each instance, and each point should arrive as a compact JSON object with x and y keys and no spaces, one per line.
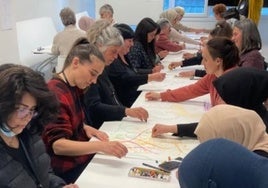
{"x":245,"y":87}
{"x":223,"y":163}
{"x":234,"y":123}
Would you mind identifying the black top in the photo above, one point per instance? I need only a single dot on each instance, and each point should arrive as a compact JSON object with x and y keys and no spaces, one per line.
{"x":101,"y":102}
{"x":245,"y":87}
{"x":126,"y":81}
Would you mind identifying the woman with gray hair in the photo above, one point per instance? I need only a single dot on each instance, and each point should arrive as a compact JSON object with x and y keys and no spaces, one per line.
{"x":101,"y":101}
{"x":175,"y":35}
{"x":64,"y":40}
{"x":180,"y":27}
{"x":106,"y":12}
{"x":163,"y":42}
{"x":248,"y":40}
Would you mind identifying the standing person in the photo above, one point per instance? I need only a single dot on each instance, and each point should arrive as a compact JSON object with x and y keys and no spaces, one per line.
{"x":67,"y":138}
{"x":26,"y":105}
{"x":64,"y":40}
{"x":106,"y":12}
{"x":125,"y":80}
{"x":223,"y":163}
{"x":142,"y":55}
{"x":101,"y":101}
{"x":248,"y":40}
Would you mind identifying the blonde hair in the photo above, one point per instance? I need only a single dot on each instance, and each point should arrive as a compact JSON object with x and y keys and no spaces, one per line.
{"x":170,"y":14}
{"x":103,"y":34}
{"x":179,"y":10}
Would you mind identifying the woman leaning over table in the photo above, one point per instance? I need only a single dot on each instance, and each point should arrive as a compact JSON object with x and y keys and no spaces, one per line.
{"x":245,"y":87}
{"x":234,"y":123}
{"x":142,"y":55}
{"x":67,"y":138}
{"x":125,"y":80}
{"x":101,"y":101}
{"x":248,"y":40}
{"x":26,"y":105}
{"x":220,"y":55}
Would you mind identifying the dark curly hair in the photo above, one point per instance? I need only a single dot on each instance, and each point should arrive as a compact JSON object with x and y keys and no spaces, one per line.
{"x":15,"y":81}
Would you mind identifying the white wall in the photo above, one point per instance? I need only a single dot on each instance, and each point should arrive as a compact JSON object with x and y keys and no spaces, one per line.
{"x":127,"y":11}
{"x":29,"y":9}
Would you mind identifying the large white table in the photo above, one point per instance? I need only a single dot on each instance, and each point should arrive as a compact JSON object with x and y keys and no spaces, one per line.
{"x":110,"y":172}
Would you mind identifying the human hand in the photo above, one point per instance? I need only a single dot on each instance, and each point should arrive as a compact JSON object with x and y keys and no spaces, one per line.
{"x":92,"y":132}
{"x":158,"y":76}
{"x":162,"y":53}
{"x":71,"y":186}
{"x":137,"y":112}
{"x":188,"y":55}
{"x":157,"y":68}
{"x":114,"y":148}
{"x":187,"y":73}
{"x":173,"y":65}
{"x":152,"y":96}
{"x":159,"y":129}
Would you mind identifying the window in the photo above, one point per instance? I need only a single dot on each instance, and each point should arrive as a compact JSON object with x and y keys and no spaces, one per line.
{"x":194,"y":7}
{"x":199,"y":7}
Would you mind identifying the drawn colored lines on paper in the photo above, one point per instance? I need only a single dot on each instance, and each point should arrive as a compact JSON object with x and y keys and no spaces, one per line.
{"x":140,"y":144}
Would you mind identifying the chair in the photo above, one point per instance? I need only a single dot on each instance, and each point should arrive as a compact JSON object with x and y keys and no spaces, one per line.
{"x":33,"y":34}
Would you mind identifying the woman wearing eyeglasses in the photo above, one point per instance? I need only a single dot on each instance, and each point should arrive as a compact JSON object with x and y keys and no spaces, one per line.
{"x":26,"y":105}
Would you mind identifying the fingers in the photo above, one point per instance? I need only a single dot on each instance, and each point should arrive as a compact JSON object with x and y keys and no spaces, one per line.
{"x":141,"y":114}
{"x":118,"y":149}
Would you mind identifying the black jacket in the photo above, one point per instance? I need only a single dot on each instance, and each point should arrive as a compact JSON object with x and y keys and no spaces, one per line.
{"x":126,"y":81}
{"x":101,"y":102}
{"x":13,"y":174}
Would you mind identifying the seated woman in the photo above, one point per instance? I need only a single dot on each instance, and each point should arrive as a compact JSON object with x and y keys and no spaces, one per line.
{"x":142,"y":55}
{"x":248,"y":40}
{"x":218,"y":10}
{"x":180,"y":27}
{"x":175,"y":36}
{"x":234,"y":123}
{"x":101,"y":101}
{"x":223,"y":163}
{"x":64,"y":40}
{"x":222,"y":29}
{"x":244,"y":87}
{"x":26,"y":105}
{"x":125,"y":80}
{"x":67,"y":137}
{"x":163,"y":42}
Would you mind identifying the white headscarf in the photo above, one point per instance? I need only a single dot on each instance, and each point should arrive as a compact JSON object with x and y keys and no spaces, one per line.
{"x":233,"y":123}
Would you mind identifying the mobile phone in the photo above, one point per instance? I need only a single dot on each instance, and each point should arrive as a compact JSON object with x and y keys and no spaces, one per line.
{"x":170,"y":165}
{"x":148,"y":173}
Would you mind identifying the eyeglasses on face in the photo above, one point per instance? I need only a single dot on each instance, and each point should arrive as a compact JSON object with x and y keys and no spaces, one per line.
{"x":23,"y":112}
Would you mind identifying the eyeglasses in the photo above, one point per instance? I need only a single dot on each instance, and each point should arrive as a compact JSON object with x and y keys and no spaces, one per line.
{"x":25,"y":112}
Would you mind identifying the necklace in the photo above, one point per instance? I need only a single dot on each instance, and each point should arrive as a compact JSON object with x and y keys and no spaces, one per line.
{"x":65,"y":78}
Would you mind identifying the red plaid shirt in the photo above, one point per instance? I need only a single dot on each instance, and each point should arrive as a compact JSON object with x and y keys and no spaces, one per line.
{"x":69,"y":125}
